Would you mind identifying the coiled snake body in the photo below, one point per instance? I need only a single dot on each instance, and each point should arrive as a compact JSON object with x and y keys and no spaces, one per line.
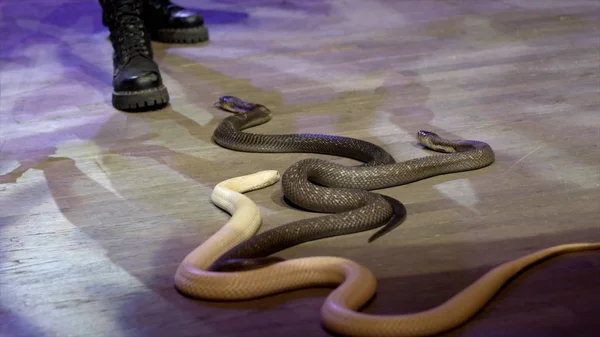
{"x":345,"y":189}
{"x":356,"y":284}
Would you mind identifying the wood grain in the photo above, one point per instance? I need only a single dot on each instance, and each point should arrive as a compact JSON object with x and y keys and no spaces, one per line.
{"x":98,"y":207}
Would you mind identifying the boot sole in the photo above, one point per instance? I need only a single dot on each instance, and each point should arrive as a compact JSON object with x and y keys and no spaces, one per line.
{"x":182,"y":35}
{"x":142,"y":100}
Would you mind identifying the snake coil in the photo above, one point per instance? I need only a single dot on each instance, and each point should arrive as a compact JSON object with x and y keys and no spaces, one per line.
{"x":322,"y":186}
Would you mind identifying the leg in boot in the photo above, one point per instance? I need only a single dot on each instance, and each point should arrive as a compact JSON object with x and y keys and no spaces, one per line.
{"x":137,"y":81}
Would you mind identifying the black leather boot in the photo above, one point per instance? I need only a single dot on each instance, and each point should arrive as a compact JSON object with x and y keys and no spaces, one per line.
{"x":137,"y":81}
{"x":170,"y":23}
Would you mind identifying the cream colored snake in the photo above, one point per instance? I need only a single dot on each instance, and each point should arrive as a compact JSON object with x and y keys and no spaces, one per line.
{"x":355,"y":283}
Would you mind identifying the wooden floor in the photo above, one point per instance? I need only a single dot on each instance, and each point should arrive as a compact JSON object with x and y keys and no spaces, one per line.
{"x":98,"y":207}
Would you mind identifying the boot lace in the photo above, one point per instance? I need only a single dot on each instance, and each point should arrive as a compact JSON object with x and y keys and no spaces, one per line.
{"x":130,"y":34}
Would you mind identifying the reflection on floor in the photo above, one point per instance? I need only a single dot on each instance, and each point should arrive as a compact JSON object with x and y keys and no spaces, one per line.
{"x":98,"y":207}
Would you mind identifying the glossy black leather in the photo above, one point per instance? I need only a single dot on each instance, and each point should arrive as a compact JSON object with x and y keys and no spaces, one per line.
{"x":134,"y":67}
{"x":163,"y":14}
{"x":139,"y":73}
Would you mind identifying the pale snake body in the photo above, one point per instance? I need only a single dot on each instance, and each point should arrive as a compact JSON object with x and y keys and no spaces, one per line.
{"x":355,"y":283}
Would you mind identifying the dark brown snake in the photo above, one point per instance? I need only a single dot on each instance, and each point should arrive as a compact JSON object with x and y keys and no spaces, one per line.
{"x":322,"y":186}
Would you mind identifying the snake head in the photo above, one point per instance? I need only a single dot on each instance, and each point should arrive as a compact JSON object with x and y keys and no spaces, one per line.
{"x":234,"y":104}
{"x":428,"y":134}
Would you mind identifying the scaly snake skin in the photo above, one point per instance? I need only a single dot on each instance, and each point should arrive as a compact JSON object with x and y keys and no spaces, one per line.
{"x":346,"y":190}
{"x":356,"y":285}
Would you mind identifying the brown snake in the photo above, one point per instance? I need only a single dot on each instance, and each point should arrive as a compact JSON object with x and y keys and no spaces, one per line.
{"x":322,"y":186}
